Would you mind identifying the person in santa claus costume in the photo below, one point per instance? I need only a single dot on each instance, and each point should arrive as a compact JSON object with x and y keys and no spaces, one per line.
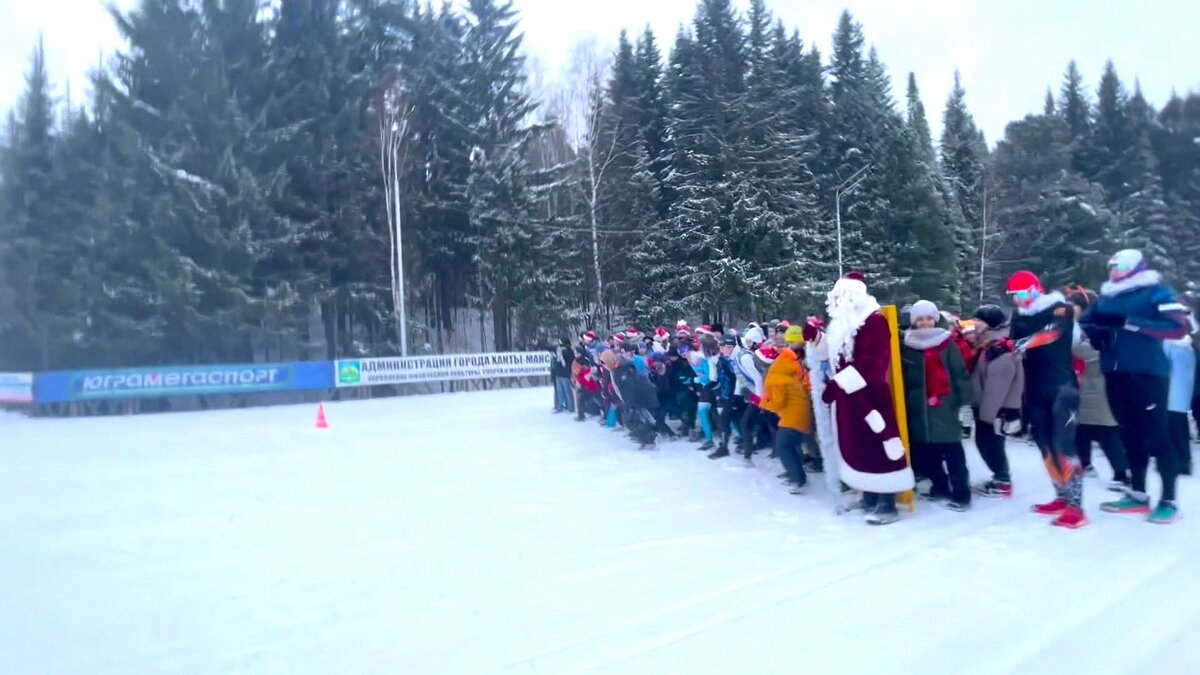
{"x":871,"y":455}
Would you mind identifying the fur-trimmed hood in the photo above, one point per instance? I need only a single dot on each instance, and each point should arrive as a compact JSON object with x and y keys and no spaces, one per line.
{"x":1140,"y":280}
{"x":1043,"y":303}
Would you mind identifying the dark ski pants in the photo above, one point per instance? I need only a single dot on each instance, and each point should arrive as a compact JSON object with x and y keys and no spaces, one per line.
{"x":1109,"y":439}
{"x":1181,"y":441}
{"x":749,"y":427}
{"x":768,"y":429}
{"x":1054,"y":417}
{"x":688,"y":404}
{"x":788,"y":445}
{"x":945,"y":464}
{"x":1139,"y":403}
{"x":992,"y":449}
{"x":730,"y":412}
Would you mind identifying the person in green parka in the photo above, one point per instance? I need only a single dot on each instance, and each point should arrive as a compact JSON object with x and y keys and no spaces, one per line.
{"x":937,"y":392}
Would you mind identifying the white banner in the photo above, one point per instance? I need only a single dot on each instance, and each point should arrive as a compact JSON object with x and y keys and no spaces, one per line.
{"x":16,"y":388}
{"x":403,"y":370}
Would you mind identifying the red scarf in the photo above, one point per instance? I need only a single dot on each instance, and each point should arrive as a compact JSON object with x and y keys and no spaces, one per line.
{"x":937,"y":379}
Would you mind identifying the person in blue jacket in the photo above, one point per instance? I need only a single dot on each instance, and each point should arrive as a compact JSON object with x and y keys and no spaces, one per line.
{"x":1136,"y":312}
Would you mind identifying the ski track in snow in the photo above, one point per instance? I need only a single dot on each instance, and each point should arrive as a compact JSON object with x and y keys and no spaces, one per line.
{"x":477,"y":533}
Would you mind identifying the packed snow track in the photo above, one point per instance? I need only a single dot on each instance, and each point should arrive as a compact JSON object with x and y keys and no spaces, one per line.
{"x":478,"y":533}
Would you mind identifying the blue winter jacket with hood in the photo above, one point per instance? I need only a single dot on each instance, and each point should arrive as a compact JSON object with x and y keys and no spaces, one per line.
{"x":1130,"y":321}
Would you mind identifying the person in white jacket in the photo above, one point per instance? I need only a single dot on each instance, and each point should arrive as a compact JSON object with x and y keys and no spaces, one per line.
{"x":750,"y":386}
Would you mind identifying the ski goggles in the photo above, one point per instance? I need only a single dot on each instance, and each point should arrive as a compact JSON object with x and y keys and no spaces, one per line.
{"x":1120,"y":267}
{"x":1022,"y":296}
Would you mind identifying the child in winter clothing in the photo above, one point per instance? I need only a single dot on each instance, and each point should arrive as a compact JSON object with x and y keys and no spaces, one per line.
{"x":727,"y":401}
{"x":1179,"y":400}
{"x":937,"y":395}
{"x":704,"y":363}
{"x":683,"y":378}
{"x":750,"y":386}
{"x":1135,"y":313}
{"x":587,"y":386}
{"x":787,"y":396}
{"x":997,"y":385}
{"x":768,"y":421}
{"x":1096,"y":421}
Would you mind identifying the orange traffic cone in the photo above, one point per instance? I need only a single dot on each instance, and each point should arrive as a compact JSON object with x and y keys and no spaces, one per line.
{"x":321,"y":423}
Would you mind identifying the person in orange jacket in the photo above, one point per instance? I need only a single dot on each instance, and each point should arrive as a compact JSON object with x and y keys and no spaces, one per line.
{"x":786,"y":394}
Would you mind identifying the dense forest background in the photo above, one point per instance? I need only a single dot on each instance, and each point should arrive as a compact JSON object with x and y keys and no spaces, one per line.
{"x":235,"y":188}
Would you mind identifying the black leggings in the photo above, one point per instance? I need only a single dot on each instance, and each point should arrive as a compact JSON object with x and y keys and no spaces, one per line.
{"x":1054,"y":419}
{"x":1109,"y":439}
{"x":1140,"y":405}
{"x":993,"y":451}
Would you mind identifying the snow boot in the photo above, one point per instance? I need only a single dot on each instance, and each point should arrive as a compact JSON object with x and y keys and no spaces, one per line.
{"x":1130,"y":503}
{"x":1165,"y":513}
{"x":720,"y":452}
{"x":798,"y":488}
{"x":956,"y":505}
{"x":881,"y":517}
{"x":706,"y":446}
{"x":1053,"y":508}
{"x":1071,"y":518}
{"x":994,"y":489}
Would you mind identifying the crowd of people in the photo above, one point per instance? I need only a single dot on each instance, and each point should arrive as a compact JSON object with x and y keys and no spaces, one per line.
{"x":1065,"y":369}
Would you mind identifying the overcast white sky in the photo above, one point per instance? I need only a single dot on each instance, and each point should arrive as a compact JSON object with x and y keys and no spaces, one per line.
{"x":1008,"y":51}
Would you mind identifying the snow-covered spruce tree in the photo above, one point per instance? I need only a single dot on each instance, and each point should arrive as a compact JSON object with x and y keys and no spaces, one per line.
{"x":963,"y":156}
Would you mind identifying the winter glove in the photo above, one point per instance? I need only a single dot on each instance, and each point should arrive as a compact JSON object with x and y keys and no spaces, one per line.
{"x":965,"y":416}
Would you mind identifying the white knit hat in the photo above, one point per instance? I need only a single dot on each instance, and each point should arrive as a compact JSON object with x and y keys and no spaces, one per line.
{"x":924,"y":309}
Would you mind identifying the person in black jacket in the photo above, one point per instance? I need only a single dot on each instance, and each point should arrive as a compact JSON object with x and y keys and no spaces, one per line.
{"x":1042,"y":330}
{"x":561,"y":358}
{"x":683,"y":380}
{"x":636,"y":398}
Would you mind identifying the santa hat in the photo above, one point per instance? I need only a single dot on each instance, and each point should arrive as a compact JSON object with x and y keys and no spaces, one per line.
{"x":682,"y":330}
{"x":767,"y":353}
{"x":661,"y":334}
{"x":783,"y":325}
{"x":632,"y":333}
{"x":850,"y":285}
{"x":590,"y":336}
{"x":1024,"y":281}
{"x":812,"y":327}
{"x":618,"y":338}
{"x":704,"y":330}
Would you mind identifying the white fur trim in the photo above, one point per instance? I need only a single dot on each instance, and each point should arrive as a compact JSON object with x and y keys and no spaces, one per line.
{"x":850,"y":380}
{"x":875,"y":421}
{"x":1172,"y":307}
{"x":1139,"y":280}
{"x":925,"y":338}
{"x":894,"y":448}
{"x":1043,"y":303}
{"x":883,"y":483}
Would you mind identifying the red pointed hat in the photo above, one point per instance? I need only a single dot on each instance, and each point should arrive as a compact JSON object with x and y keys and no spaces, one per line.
{"x":1024,"y":281}
{"x":767,"y":353}
{"x":857,"y":276}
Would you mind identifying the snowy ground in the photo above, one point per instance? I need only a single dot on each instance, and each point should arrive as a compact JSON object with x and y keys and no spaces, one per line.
{"x":477,"y":533}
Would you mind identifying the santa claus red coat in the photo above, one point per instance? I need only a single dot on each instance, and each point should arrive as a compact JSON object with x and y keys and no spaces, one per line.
{"x":872,"y":457}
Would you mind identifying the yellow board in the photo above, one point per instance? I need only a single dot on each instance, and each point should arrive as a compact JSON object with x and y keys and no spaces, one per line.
{"x":896,"y":379}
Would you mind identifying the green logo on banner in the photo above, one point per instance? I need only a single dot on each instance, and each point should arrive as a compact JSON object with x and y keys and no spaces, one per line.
{"x":349,"y":372}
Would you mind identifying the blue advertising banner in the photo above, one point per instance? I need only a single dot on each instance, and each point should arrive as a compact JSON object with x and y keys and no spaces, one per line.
{"x":85,"y":385}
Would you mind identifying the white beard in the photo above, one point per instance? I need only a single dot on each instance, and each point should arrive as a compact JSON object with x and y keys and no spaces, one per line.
{"x":846,"y":316}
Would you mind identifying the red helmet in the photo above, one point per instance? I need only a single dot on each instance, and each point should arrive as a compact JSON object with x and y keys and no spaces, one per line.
{"x":1024,"y":281}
